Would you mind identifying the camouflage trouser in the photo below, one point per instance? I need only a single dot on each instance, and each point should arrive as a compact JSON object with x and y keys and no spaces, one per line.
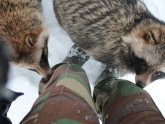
{"x":122,"y":102}
{"x":66,"y":99}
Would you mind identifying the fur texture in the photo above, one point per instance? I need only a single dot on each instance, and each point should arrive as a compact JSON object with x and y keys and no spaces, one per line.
{"x":22,"y":25}
{"x":122,"y":34}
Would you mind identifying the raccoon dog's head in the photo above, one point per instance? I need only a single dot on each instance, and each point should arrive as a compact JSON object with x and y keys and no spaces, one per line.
{"x":147,"y":51}
{"x":21,"y":23}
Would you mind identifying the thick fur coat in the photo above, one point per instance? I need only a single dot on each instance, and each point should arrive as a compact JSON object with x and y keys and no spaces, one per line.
{"x":120,"y":33}
{"x":22,"y":26}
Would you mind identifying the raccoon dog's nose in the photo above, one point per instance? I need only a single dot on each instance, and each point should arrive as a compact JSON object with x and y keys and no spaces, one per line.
{"x":140,"y":83}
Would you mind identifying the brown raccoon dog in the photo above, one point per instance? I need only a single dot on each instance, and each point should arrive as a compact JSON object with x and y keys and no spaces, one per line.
{"x":122,"y":34}
{"x":21,"y":24}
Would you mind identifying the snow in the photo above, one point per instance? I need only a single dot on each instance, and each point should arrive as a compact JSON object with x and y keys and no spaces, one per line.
{"x":23,"y":104}
{"x":156,"y":91}
{"x":25,"y":81}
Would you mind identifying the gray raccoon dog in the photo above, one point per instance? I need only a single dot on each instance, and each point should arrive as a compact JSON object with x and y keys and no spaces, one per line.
{"x":122,"y":34}
{"x":22,"y":26}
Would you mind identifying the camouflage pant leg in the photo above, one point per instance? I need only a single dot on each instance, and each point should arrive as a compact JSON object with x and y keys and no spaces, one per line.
{"x":122,"y":102}
{"x":66,"y":99}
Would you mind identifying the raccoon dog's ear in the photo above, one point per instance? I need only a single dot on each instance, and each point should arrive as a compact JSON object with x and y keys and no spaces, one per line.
{"x":30,"y":40}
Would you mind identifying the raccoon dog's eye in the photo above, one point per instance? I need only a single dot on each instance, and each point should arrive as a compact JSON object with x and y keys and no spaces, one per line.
{"x":158,"y":75}
{"x":30,"y":41}
{"x":140,"y":66}
{"x":143,"y":63}
{"x":149,"y":37}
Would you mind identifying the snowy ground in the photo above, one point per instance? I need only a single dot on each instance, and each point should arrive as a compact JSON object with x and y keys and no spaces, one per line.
{"x":22,"y":80}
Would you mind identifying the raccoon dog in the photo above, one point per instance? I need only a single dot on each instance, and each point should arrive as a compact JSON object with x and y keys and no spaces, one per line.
{"x":122,"y":34}
{"x":22,"y":26}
